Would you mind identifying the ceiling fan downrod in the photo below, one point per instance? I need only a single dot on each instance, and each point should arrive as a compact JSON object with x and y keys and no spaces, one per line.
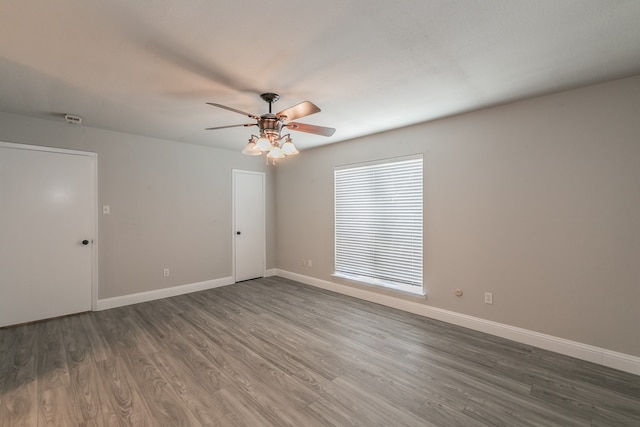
{"x":270,"y":98}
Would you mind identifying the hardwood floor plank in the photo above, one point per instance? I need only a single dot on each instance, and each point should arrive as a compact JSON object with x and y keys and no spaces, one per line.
{"x":197,"y":395}
{"x":303,"y":347}
{"x":505,"y":416}
{"x":440,"y":414}
{"x":270,"y":377}
{"x":101,"y":349}
{"x":244,"y":409}
{"x":142,"y":331}
{"x":20,"y":387}
{"x":162,"y":400}
{"x":7,"y":347}
{"x":621,"y":383}
{"x":54,"y":408}
{"x":256,"y":376}
{"x":607,"y":400}
{"x":510,"y":400}
{"x":87,"y":388}
{"x":573,"y":403}
{"x":82,"y":378}
{"x":371,"y":405}
{"x":180,"y":347}
{"x":52,"y":359}
{"x":608,"y":419}
{"x":328,"y":414}
{"x":135,"y":344}
{"x":90,"y":395}
{"x":123,"y":394}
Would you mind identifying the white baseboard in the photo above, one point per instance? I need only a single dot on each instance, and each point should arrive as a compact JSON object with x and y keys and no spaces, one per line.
{"x":107,"y":303}
{"x":270,"y":272}
{"x":601,"y":356}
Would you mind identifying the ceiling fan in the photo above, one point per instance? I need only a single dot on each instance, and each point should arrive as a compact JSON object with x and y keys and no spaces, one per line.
{"x":271,"y":127}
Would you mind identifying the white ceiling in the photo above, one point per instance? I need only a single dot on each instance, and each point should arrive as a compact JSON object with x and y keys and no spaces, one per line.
{"x":147,"y":67}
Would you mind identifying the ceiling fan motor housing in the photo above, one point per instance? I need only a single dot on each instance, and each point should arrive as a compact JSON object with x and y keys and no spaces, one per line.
{"x":270,"y":124}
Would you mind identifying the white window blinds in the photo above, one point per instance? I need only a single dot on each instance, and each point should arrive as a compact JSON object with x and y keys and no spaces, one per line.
{"x":378,"y":223}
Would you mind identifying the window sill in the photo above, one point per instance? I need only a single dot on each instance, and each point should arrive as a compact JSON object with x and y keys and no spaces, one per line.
{"x":379,"y":285}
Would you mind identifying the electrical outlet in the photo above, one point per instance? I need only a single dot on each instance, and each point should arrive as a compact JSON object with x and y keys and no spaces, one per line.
{"x":310,"y":264}
{"x":166,"y":272}
{"x":488,"y":298}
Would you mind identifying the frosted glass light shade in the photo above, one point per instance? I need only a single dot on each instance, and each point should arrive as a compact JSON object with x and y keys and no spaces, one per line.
{"x":275,"y":153}
{"x":288,"y":148}
{"x":251,"y":150}
{"x":263,"y":144}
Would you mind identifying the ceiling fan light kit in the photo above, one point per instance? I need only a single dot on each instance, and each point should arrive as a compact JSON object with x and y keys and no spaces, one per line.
{"x":271,"y":141}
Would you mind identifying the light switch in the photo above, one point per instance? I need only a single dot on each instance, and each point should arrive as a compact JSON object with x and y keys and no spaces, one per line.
{"x":106,"y":210}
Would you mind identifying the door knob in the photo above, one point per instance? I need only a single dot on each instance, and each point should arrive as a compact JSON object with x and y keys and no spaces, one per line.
{"x":238,"y":233}
{"x":85,"y":242}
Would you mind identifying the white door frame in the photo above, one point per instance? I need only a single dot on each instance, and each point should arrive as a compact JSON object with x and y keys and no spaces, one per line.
{"x":233,"y":219}
{"x":94,"y":186}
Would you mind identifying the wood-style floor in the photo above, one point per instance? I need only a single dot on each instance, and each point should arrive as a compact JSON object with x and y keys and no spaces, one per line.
{"x":272,"y":352}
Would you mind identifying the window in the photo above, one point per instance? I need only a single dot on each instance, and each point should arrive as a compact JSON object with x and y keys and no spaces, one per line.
{"x":378,"y":223}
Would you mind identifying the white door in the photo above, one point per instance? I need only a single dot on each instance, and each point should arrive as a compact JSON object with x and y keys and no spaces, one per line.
{"x":47,"y":215}
{"x":249,"y":224}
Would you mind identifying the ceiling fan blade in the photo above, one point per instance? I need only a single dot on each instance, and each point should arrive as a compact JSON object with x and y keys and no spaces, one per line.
{"x":232,"y":126}
{"x":318,"y":130}
{"x":234,"y":110}
{"x":302,"y":109}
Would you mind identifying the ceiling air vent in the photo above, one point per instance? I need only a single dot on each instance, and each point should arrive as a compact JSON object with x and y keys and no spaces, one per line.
{"x":73,"y":119}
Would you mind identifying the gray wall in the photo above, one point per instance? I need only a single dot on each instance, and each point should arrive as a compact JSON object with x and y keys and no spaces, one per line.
{"x":170,"y":204}
{"x":536,"y":201}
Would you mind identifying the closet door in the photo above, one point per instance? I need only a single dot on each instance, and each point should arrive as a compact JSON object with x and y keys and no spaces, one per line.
{"x":47,"y":215}
{"x":249,"y":224}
